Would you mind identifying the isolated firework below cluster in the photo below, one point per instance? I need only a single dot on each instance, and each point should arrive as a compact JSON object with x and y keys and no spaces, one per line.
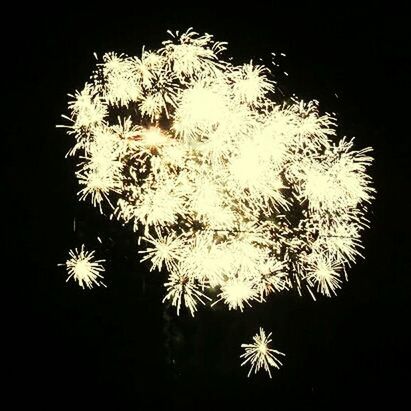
{"x":259,"y":355}
{"x":235,"y":195}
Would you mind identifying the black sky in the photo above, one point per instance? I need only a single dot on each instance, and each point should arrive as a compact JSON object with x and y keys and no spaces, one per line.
{"x":121,"y":346}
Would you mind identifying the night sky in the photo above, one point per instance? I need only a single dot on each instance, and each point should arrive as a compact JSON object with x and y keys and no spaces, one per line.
{"x":121,"y":346}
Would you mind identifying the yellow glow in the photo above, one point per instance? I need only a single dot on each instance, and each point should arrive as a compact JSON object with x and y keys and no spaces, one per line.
{"x":153,"y":137}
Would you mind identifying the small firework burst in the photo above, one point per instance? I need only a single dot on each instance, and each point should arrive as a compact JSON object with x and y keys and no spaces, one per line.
{"x":259,"y":355}
{"x":164,"y":250}
{"x":84,"y":268}
{"x":325,"y":275}
{"x":237,"y":292}
{"x":183,"y":290}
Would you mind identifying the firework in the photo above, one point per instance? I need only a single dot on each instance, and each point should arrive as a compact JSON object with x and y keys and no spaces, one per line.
{"x":237,"y":196}
{"x":259,"y":355}
{"x":83,"y":268}
{"x":183,"y":290}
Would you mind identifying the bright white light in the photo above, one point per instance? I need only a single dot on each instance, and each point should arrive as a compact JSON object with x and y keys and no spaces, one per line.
{"x":237,"y":292}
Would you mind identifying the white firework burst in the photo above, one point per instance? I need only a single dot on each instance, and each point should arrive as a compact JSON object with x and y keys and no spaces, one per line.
{"x":165,"y":250}
{"x":258,"y":355}
{"x":84,"y":269}
{"x":325,"y":274}
{"x":237,"y":293}
{"x":182,"y":290}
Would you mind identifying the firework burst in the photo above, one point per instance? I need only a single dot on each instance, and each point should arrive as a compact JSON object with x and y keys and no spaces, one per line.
{"x":258,"y":355}
{"x":83,"y":268}
{"x":243,"y":195}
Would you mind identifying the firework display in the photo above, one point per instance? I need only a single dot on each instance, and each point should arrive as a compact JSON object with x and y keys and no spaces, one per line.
{"x":233,"y":195}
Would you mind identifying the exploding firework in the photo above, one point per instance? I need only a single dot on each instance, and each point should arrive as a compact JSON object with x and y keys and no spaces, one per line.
{"x":83,"y":268}
{"x":229,"y":190}
{"x":259,"y":355}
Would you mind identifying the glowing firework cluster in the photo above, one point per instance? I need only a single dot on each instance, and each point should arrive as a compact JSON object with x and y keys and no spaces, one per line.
{"x":236,"y":196}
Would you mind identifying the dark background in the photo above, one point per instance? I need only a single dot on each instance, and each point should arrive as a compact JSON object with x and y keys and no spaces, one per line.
{"x":121,"y":346}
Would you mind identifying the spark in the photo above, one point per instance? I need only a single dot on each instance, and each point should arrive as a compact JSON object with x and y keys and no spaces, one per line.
{"x":259,"y":354}
{"x":83,"y":268}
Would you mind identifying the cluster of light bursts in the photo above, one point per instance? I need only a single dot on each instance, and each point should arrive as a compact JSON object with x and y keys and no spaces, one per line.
{"x":234,"y":195}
